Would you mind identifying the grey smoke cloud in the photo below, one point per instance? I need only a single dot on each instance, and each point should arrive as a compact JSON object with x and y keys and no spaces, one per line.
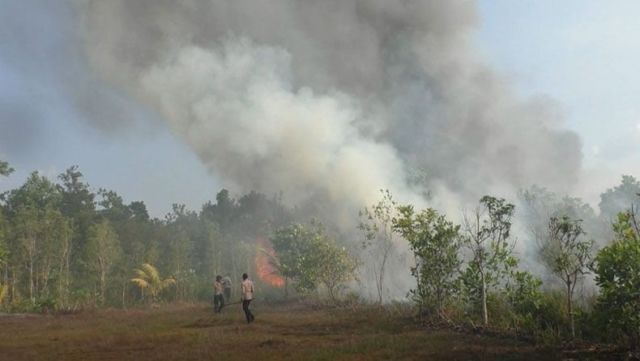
{"x":336,"y":98}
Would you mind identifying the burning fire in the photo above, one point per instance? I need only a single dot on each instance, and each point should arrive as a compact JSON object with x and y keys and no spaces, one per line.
{"x":266,"y":271}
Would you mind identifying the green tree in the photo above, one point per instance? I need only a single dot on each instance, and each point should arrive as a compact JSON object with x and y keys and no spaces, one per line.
{"x":292,"y":246}
{"x":37,"y":192}
{"x":309,"y":257}
{"x":488,"y":238}
{"x":41,"y":241}
{"x":525,"y":299}
{"x":179,"y":248}
{"x":620,"y":198}
{"x":435,"y":242}
{"x":617,"y":269}
{"x":148,"y":278}
{"x":335,"y":266}
{"x":53,"y":259}
{"x":137,"y":235}
{"x":4,"y":256}
{"x":104,"y":250}
{"x":225,"y":213}
{"x":77,"y":204}
{"x":568,"y":255}
{"x":5,"y":169}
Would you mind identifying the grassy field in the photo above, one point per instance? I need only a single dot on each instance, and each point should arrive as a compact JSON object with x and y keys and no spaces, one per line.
{"x":294,"y":332}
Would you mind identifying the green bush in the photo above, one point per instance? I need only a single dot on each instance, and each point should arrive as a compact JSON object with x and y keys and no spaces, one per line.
{"x":617,"y":271}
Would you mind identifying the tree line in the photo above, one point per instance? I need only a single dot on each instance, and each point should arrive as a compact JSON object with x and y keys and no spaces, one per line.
{"x":64,"y":246}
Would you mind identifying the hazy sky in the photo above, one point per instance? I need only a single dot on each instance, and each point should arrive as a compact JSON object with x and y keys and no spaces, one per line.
{"x":582,"y":54}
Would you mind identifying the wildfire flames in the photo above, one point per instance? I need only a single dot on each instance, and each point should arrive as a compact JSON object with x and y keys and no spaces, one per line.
{"x":266,"y":271}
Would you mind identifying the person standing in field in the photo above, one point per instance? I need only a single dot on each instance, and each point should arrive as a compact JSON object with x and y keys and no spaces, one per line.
{"x":226,"y":282}
{"x":218,"y":299}
{"x":247,"y":296}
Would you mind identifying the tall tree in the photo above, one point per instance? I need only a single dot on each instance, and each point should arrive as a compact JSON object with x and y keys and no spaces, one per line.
{"x":617,"y":269}
{"x":5,"y":170}
{"x":225,"y":214}
{"x":4,"y":256}
{"x":291,"y":244}
{"x":488,"y":238}
{"x":179,"y":248}
{"x":435,"y":242}
{"x":30,"y":207}
{"x":37,"y":192}
{"x":77,"y":204}
{"x":104,"y":250}
{"x":568,"y":256}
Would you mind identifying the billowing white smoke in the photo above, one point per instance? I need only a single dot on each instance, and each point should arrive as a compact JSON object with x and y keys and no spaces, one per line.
{"x":236,"y":106}
{"x":332,"y":98}
{"x":329,"y":101}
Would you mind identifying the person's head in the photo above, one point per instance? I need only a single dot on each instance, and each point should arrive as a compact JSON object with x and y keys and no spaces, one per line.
{"x":244,"y":276}
{"x":218,"y":278}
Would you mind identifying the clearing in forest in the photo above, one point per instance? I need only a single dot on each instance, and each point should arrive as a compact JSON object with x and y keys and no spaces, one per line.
{"x":193,"y":332}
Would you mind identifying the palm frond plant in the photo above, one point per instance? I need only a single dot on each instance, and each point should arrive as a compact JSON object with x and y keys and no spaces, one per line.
{"x":148,"y":280}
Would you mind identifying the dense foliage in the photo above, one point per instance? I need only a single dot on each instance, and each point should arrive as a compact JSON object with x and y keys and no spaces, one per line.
{"x":65,"y":246}
{"x":307,"y":256}
{"x":618,"y":276}
{"x":435,"y":242}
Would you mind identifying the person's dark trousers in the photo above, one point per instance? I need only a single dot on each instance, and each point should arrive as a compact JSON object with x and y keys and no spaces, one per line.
{"x":218,"y":303}
{"x":247,"y":311}
{"x":227,"y":294}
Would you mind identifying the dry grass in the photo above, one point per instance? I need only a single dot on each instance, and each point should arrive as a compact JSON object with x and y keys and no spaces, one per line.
{"x":192,"y":332}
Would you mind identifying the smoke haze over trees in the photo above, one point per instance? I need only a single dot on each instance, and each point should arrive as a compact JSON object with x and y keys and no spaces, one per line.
{"x":352,"y":140}
{"x":298,"y":95}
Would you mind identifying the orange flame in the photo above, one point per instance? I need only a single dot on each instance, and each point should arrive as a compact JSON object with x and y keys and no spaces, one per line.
{"x":266,"y":271}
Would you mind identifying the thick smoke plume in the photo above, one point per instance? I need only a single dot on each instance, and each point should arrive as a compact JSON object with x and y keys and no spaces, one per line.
{"x":332,"y":99}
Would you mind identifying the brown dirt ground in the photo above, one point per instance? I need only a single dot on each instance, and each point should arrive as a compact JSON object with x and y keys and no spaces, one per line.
{"x":193,"y":332}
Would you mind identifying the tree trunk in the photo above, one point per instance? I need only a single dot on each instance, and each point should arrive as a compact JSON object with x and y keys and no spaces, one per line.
{"x":286,"y":288}
{"x":333,"y":298}
{"x":13,"y":286}
{"x":61,"y":285}
{"x":381,"y":275}
{"x":67,"y":284}
{"x":570,"y":309}
{"x":31,"y":280}
{"x":124,"y":287}
{"x":103,"y":286}
{"x":485,"y":316}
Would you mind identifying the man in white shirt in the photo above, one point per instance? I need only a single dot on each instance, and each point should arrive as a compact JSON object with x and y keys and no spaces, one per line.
{"x":218,"y":300}
{"x":247,"y":296}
